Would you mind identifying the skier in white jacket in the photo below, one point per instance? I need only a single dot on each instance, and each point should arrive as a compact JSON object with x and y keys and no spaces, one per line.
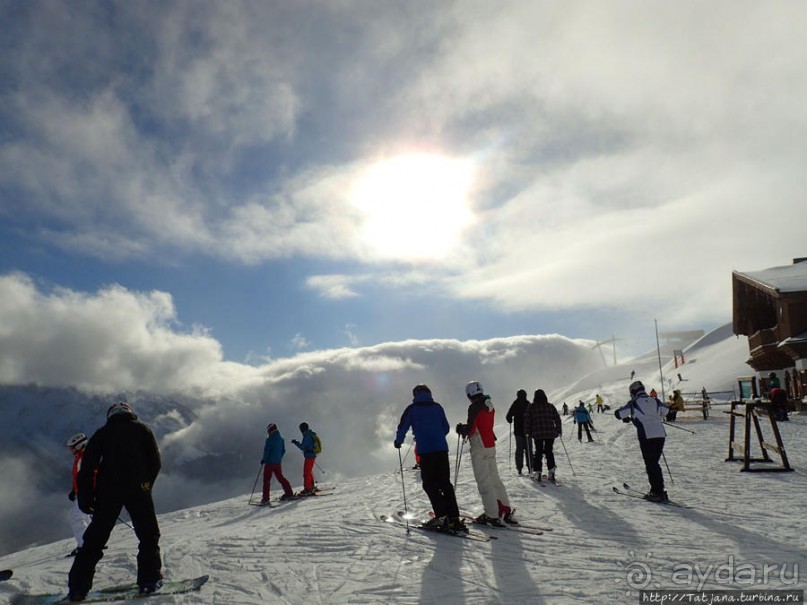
{"x":647,"y":414}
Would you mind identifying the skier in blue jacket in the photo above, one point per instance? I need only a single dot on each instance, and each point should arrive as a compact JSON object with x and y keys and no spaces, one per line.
{"x":583,"y":421}
{"x":647,"y":413}
{"x":428,"y":422}
{"x":310,"y":456}
{"x":273,"y":451}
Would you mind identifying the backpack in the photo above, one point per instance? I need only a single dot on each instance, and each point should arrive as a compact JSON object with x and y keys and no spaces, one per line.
{"x":317,"y":444}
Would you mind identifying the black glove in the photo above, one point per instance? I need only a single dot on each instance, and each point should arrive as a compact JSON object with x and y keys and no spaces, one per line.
{"x":626,"y":420}
{"x":71,"y":496}
{"x":462,"y":429}
{"x":509,"y":421}
{"x":397,"y":445}
{"x":295,"y":442}
{"x":86,"y":504}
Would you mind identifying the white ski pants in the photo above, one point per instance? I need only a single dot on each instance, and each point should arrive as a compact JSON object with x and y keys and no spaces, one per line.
{"x":79,"y":522}
{"x":486,"y":473}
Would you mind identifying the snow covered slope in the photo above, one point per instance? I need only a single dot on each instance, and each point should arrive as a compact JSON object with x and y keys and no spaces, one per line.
{"x":602,"y":549}
{"x":744,"y":530}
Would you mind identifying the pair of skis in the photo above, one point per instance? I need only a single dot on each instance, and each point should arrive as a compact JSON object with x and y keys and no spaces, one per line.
{"x":325,"y":491}
{"x":114,"y":593}
{"x":420,"y":524}
{"x":635,"y":493}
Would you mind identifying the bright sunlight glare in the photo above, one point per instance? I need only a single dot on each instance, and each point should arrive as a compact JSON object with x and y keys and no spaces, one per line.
{"x":414,"y":206}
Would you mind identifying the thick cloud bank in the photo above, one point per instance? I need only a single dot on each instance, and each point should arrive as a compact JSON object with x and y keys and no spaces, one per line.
{"x":212,"y":445}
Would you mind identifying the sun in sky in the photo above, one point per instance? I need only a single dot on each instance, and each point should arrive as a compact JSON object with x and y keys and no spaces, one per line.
{"x":414,"y":206}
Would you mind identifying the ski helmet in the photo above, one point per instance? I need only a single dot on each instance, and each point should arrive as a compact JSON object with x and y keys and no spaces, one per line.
{"x":303,"y":427}
{"x":118,"y":408}
{"x":472,"y":389}
{"x":77,"y":442}
{"x":421,"y":388}
{"x":271,"y":428}
{"x":636,"y":387}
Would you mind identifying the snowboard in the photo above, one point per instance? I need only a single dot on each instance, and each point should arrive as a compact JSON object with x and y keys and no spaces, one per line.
{"x":114,"y":593}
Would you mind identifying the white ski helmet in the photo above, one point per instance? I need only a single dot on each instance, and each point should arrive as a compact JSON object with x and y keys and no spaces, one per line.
{"x":636,"y":387}
{"x":77,"y":442}
{"x":118,"y":408}
{"x":473,"y":388}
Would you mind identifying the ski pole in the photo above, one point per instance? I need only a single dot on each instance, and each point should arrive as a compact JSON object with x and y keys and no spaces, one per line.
{"x":510,"y":449}
{"x":407,"y":454}
{"x":668,"y":468}
{"x":254,"y":485}
{"x":567,"y":455}
{"x":321,"y":470}
{"x":680,"y":428}
{"x":126,"y":524}
{"x":403,"y":488}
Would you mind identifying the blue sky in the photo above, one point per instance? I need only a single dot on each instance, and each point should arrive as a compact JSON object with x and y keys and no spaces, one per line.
{"x":312,"y":175}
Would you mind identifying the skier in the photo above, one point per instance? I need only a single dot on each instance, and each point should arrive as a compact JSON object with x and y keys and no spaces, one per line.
{"x":773,"y":383}
{"x":542,"y":424}
{"x":778,"y":398}
{"x":565,"y":409}
{"x":428,"y":422}
{"x":118,"y":470}
{"x":599,"y":404}
{"x":582,"y":419}
{"x":310,"y":456}
{"x":479,"y":432}
{"x":515,"y":416}
{"x":646,"y":413}
{"x":79,"y":521}
{"x":273,"y":451}
{"x":676,"y":405}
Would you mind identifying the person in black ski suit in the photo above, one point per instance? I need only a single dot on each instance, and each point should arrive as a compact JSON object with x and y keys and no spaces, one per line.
{"x":515,"y":416}
{"x":120,"y":465}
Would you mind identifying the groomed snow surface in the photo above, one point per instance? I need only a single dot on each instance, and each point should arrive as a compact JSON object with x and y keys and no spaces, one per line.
{"x":744,"y":530}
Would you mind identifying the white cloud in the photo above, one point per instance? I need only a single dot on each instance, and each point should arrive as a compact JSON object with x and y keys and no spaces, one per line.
{"x":611,"y":143}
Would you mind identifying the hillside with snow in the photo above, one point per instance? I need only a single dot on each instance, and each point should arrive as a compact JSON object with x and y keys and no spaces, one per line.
{"x":744,"y":530}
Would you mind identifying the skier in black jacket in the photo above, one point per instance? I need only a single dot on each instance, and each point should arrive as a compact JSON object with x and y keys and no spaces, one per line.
{"x":118,"y":470}
{"x":515,"y":416}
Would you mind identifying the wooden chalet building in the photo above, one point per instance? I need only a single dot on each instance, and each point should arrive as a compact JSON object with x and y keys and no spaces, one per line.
{"x":770,"y":308}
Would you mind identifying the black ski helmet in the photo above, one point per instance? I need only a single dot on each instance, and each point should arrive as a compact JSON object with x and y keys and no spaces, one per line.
{"x":303,"y":427}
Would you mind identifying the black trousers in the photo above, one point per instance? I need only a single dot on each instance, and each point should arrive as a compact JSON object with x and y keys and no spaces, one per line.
{"x":521,"y":449}
{"x":651,"y":453}
{"x":543,"y":447}
{"x":580,"y":427}
{"x":140,"y":507}
{"x":435,"y":473}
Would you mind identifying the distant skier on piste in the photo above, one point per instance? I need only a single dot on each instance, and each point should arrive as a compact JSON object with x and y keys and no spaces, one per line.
{"x":515,"y":416}
{"x":582,"y":418}
{"x":428,"y":422}
{"x":647,"y":415}
{"x":118,"y":470}
{"x":479,"y":432}
{"x":310,"y":456}
{"x":79,"y":521}
{"x":274,"y":449}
